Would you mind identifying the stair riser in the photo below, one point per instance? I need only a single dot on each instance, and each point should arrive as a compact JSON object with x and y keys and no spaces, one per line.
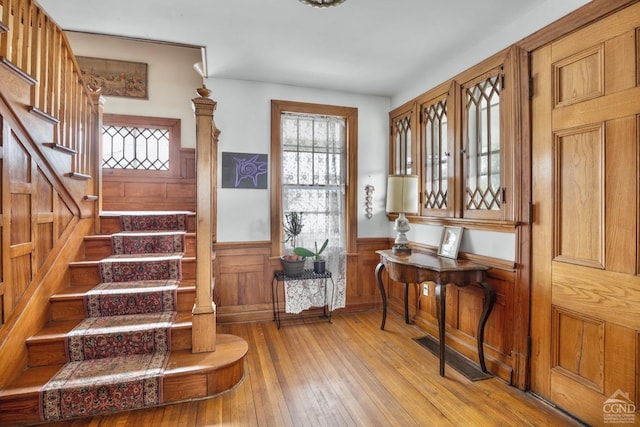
{"x":98,"y":248}
{"x":190,"y":386}
{"x":82,"y":274}
{"x":53,"y":352}
{"x":73,"y":309}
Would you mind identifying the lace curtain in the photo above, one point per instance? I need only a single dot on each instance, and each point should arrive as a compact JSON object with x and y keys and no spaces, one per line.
{"x":313,"y":182}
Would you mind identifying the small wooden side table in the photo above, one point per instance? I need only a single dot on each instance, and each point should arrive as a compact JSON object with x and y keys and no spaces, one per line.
{"x":419,"y":267}
{"x":280,"y":277}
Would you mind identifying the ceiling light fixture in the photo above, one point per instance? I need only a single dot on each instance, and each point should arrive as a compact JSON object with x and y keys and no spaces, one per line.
{"x":322,"y":3}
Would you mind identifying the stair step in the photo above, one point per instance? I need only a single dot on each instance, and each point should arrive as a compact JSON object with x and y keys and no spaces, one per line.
{"x":48,"y":346}
{"x":88,"y":272}
{"x":110,"y":221}
{"x":187,"y":376}
{"x":69,"y":305}
{"x":100,"y":246}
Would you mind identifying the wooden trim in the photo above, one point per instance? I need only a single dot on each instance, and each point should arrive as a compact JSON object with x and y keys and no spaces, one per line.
{"x":62,"y":148}
{"x":22,"y":74}
{"x":585,"y":15}
{"x":43,"y":115}
{"x":471,"y":223}
{"x":351,"y":116}
{"x":79,"y":176}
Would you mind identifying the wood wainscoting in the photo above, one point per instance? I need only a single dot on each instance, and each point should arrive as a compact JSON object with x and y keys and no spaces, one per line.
{"x":147,"y":191}
{"x":245,"y":272}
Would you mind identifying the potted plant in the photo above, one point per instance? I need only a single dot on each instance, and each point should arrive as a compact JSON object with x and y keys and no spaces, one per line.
{"x":319,"y":264}
{"x":292,"y":264}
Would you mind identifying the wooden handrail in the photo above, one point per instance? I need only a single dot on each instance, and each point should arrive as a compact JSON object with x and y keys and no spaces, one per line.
{"x":34,"y":44}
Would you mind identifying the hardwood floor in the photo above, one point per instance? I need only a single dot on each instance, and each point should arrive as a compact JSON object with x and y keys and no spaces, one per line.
{"x":348,"y":373}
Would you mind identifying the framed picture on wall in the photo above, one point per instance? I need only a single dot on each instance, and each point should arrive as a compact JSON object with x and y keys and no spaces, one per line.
{"x":115,"y":78}
{"x":244,"y":170}
{"x":450,"y":242}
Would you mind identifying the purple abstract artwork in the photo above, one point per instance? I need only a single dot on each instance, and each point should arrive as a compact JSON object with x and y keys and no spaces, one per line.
{"x":244,"y":170}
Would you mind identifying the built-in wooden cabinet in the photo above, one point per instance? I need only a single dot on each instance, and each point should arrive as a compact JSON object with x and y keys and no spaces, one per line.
{"x":463,"y":138}
{"x":467,"y":140}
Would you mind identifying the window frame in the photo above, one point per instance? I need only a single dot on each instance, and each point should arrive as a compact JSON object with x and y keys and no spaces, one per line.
{"x":351,"y":115}
{"x":169,"y":124}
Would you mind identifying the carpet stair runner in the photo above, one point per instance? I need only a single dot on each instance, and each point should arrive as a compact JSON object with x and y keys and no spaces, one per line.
{"x":121,"y":354}
{"x":127,"y":351}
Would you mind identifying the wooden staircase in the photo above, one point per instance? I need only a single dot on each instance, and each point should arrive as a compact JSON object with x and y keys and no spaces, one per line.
{"x":187,"y":375}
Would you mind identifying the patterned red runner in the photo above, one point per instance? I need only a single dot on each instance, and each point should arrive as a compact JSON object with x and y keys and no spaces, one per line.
{"x":135,"y":297}
{"x":155,"y":221}
{"x":148,"y":242}
{"x":102,"y":386}
{"x":100,"y":337}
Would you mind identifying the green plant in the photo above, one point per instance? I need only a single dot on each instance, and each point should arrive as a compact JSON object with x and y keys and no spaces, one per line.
{"x":309,"y":253}
{"x":292,"y":227}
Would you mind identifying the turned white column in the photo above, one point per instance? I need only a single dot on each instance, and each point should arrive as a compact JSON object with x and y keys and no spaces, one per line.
{"x":204,"y":310}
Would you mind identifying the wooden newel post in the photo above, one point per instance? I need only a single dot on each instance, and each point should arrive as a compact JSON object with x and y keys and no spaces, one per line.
{"x":96,"y":135}
{"x":204,"y":310}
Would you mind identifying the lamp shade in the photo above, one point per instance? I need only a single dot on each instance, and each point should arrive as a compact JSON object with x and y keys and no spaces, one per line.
{"x":402,"y":193}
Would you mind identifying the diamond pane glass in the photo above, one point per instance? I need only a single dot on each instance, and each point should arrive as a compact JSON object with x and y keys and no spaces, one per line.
{"x":402,"y":146}
{"x":483,"y":148}
{"x":435,"y":140}
{"x":135,"y":148}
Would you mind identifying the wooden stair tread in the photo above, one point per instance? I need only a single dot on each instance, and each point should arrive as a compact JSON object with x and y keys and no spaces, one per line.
{"x":118,"y":214}
{"x":79,"y":291}
{"x":96,"y":262}
{"x":57,"y":330}
{"x":229,"y":349}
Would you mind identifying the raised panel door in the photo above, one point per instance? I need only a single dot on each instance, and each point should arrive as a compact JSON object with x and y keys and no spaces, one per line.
{"x":585,"y":283}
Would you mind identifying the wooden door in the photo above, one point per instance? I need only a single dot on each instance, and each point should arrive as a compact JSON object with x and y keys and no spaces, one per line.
{"x":585,"y":322}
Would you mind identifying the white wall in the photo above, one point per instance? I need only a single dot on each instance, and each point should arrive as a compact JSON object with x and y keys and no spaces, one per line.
{"x":243,"y":116}
{"x":544,"y":13}
{"x":172,"y":79}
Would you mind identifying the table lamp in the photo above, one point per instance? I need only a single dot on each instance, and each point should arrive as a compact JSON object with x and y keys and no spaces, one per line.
{"x":402,"y":197}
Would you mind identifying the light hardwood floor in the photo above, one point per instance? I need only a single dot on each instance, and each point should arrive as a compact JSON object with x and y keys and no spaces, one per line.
{"x":348,"y":373}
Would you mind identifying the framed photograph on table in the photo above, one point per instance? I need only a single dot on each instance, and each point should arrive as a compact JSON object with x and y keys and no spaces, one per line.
{"x":450,"y":242}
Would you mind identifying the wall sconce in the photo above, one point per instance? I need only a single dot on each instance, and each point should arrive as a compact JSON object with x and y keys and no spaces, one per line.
{"x":368,"y":200}
{"x":402,"y":197}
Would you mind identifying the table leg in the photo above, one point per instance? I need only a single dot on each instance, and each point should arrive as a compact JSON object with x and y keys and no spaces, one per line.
{"x":406,"y":303}
{"x":489,"y":299}
{"x":278,"y":303}
{"x":333,"y":291}
{"x":273,"y":297}
{"x":441,"y":304}
{"x":379,"y":270}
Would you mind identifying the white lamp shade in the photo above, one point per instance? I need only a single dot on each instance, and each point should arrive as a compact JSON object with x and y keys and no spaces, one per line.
{"x":402,"y":193}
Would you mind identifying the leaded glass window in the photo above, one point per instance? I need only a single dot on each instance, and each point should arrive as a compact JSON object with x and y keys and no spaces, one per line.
{"x":434,"y":123}
{"x":401,"y":145}
{"x":138,"y":148}
{"x":483,"y":144}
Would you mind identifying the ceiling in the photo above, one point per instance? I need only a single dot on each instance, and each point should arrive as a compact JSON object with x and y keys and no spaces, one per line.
{"x":374,"y":47}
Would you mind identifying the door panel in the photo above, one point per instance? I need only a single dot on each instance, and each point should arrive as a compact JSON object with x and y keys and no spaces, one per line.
{"x":586,"y":289}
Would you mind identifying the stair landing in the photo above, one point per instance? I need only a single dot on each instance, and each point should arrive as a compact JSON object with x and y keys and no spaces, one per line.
{"x":188,"y":376}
